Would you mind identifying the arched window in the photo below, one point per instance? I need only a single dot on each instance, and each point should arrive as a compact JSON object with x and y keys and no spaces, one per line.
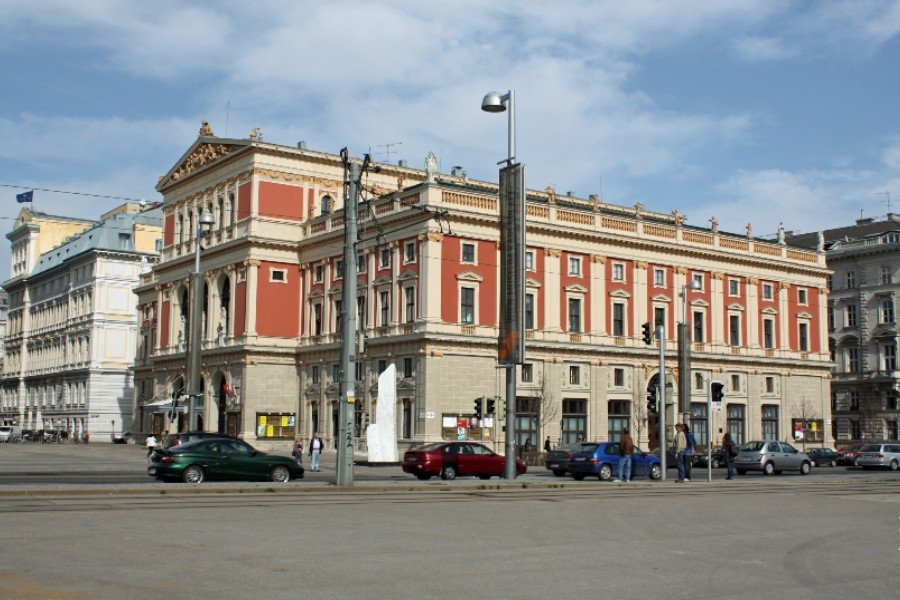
{"x":326,"y":204}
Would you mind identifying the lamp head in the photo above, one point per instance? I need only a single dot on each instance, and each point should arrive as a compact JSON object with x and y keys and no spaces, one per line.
{"x":693,"y":285}
{"x":206,"y":218}
{"x":493,"y":102}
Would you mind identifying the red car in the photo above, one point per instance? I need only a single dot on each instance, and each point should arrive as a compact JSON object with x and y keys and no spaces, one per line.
{"x":847,"y":455}
{"x":450,"y":459}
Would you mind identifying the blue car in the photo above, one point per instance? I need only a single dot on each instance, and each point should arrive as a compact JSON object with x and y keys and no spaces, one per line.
{"x":602,"y":459}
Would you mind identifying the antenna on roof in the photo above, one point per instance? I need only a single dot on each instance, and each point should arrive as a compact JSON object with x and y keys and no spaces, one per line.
{"x":887,"y":201}
{"x":388,"y":150}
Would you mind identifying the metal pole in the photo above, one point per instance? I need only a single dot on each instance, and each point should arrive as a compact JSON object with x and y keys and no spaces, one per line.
{"x":512,"y":126}
{"x":684,"y":361}
{"x":509,"y":471}
{"x":347,"y":399}
{"x":196,"y":332}
{"x":661,"y":394}
{"x":709,"y":430}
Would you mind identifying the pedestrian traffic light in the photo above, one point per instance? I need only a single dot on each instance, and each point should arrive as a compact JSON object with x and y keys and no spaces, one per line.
{"x":647,"y":333}
{"x":491,"y":405}
{"x":651,"y":401}
{"x":478,"y":408}
{"x":717,"y":391}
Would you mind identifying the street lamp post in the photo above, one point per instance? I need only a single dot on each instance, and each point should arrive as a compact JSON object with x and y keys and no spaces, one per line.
{"x":512,"y":300}
{"x":684,"y":354}
{"x":206,"y":219}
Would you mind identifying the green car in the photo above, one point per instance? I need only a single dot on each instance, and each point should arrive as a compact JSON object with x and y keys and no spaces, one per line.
{"x":221,"y":459}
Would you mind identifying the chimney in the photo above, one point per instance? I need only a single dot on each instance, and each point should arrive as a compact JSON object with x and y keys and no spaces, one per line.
{"x":458,"y":171}
{"x":401,"y":163}
{"x":301,"y":144}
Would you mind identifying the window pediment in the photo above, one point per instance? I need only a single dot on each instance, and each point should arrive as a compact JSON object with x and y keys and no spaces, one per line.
{"x":736,"y":306}
{"x":769,"y":311}
{"x":532,"y":283}
{"x":407,"y":275}
{"x":469,"y":276}
{"x":315,"y":294}
{"x":618,"y":294}
{"x":661,"y":298}
{"x":804,"y":315}
{"x":382,"y":281}
{"x":335,"y":289}
{"x":700,"y":303}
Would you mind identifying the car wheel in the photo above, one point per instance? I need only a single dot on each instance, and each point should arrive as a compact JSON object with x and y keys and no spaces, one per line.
{"x":715,"y":463}
{"x":605,"y":473}
{"x":894,"y":465}
{"x":559,"y":472}
{"x":655,"y":472}
{"x":423,"y":476}
{"x":280,"y":474}
{"x":804,"y":468}
{"x":448,"y":473}
{"x":484,"y":476}
{"x":741,"y":471}
{"x":833,"y":463}
{"x":769,"y":469}
{"x":578,"y":476}
{"x":193,"y":474}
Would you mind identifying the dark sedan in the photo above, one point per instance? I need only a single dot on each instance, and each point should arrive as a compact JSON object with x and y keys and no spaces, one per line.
{"x":451,"y":459}
{"x":558,"y":458}
{"x":601,"y":459}
{"x":221,"y":459}
{"x":823,"y":457}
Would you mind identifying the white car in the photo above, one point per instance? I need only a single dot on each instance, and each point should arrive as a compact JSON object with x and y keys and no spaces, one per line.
{"x":879,"y":455}
{"x":9,"y":432}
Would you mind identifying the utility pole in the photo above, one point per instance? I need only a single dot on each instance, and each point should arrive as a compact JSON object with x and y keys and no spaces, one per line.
{"x":348,"y":326}
{"x":661,"y":394}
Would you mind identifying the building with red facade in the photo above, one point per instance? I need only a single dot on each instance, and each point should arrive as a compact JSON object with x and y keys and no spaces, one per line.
{"x":427,"y":301}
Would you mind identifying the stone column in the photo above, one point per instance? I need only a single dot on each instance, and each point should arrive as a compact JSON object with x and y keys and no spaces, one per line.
{"x":639,"y":300}
{"x":784,"y":317}
{"x":717,"y":319}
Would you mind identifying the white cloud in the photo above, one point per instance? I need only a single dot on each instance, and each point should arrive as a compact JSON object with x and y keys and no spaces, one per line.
{"x":759,"y":49}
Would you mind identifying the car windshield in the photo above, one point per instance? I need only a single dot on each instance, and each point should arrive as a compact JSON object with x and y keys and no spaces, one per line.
{"x":753,"y":446}
{"x":871,"y":448}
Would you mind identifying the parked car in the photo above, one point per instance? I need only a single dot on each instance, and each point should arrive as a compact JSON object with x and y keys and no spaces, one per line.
{"x":176,"y":439}
{"x":10,"y":433}
{"x":453,"y":459}
{"x":558,"y":458}
{"x":718,"y":458}
{"x":873,"y":456}
{"x":220,"y":458}
{"x":847,"y":455}
{"x":121,"y":438}
{"x":602,"y":459}
{"x":823,"y":457}
{"x":771,"y":457}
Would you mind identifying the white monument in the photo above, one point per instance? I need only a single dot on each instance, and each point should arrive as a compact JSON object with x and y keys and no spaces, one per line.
{"x":381,"y":437}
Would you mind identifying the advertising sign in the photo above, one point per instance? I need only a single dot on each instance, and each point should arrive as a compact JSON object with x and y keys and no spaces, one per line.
{"x":511,"y":342}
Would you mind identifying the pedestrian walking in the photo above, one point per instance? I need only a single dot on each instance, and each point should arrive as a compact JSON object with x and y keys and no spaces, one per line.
{"x":151,"y":444}
{"x":315,"y":450}
{"x":298,"y":451}
{"x":691,"y":450}
{"x":547,"y":444}
{"x":680,"y":452}
{"x":730,"y":454}
{"x":626,"y":449}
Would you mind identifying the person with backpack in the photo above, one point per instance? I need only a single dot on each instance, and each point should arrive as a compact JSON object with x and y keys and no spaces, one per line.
{"x":689,"y":453}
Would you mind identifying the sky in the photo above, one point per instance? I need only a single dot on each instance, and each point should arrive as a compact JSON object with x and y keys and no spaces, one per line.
{"x":751,"y":111}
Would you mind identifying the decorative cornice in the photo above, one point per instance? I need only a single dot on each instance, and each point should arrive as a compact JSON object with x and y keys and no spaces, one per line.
{"x":553,"y":252}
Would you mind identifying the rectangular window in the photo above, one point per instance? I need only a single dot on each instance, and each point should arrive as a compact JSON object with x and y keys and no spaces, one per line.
{"x":619,"y":377}
{"x":409,"y":252}
{"x":278,"y":275}
{"x":385,"y":258}
{"x":659,"y":317}
{"x":407,"y":367}
{"x":767,"y":291}
{"x":382,"y":366}
{"x":736,"y":422}
{"x":770,"y":384}
{"x":855,"y":429}
{"x":618,"y":272}
{"x":659,"y":277}
{"x":734,"y":287}
{"x":618,"y":319}
{"x":574,"y":421}
{"x":339,"y":268}
{"x":467,"y":305}
{"x":338,"y":314}
{"x":698,"y":424}
{"x":887,"y":310}
{"x":890,"y":357}
{"x":360,"y":263}
{"x":699,"y":336}
{"x":804,"y":337}
{"x":851,"y":315}
{"x":830,"y":316}
{"x":802,"y":299}
{"x":574,"y":265}
{"x":361,"y":311}
{"x":735,"y":382}
{"x":384,"y":304}
{"x":529,"y":260}
{"x":317,"y":319}
{"x":318,"y":273}
{"x":410,"y":304}
{"x":619,"y":416}
{"x":853,"y":360}
{"x":574,"y":375}
{"x":854,"y":400}
{"x":468,"y":253}
{"x":697,"y":279}
{"x":698,"y":381}
{"x":851,"y":279}
{"x":734,"y":330}
{"x":527,"y":373}
{"x":887,"y":275}
{"x":575,"y":314}
{"x":769,"y":422}
{"x":768,"y":333}
{"x":335,"y":373}
{"x":529,"y":311}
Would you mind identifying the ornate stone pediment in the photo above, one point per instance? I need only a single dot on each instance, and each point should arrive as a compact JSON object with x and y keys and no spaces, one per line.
{"x":205,"y":151}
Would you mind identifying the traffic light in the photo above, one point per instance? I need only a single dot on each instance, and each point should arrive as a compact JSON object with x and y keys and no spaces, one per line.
{"x":478,"y":408}
{"x":647,"y":333}
{"x":651,"y":401}
{"x":717,"y":390}
{"x":491,"y":406}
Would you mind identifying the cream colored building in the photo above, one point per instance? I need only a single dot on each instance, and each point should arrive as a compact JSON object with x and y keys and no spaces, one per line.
{"x":427,"y":298}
